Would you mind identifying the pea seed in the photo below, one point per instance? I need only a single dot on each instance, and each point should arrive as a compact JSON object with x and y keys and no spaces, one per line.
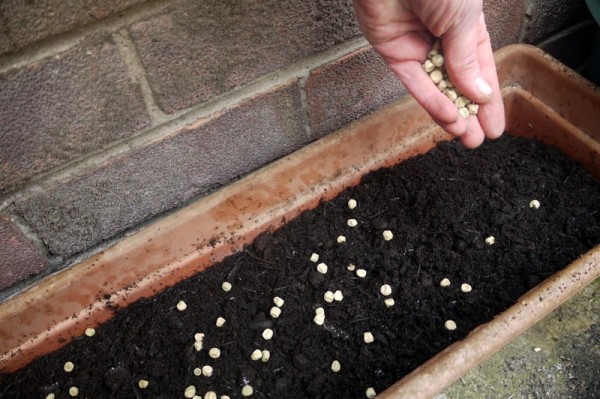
{"x":320,"y":310}
{"x":450,"y":325}
{"x":445,"y":283}
{"x":362,"y":273}
{"x":341,"y":239}
{"x":428,"y":66}
{"x":535,"y":204}
{"x":143,"y":384}
{"x":442,"y":85}
{"x":50,"y":396}
{"x":215,"y":353}
{"x":68,"y":367}
{"x":336,"y":366}
{"x":322,"y":268}
{"x":473,"y":108}
{"x":352,"y":203}
{"x":275,"y":312}
{"x":73,"y":391}
{"x":220,"y":322}
{"x":197,"y":371}
{"x":226,"y":286}
{"x":389,"y":302}
{"x":370,"y":393}
{"x":90,"y":332}
{"x":328,"y":296}
{"x":490,"y":240}
{"x":463,"y":111}
{"x":314,"y":257}
{"x":279,"y":302}
{"x":225,"y":397}
{"x":338,"y":296}
{"x":210,"y":395}
{"x":319,"y":319}
{"x":451,"y":94}
{"x":267,"y":334}
{"x":247,"y":390}
{"x":199,"y":337}
{"x":181,"y":306}
{"x":207,"y":371}
{"x":266,"y":355}
{"x":536,"y":349}
{"x":388,"y":235}
{"x":352,"y":222}
{"x":437,"y":60}
{"x":461,"y":102}
{"x":368,"y":337}
{"x":198,"y":346}
{"x":436,"y":76}
{"x":465,"y":287}
{"x":351,"y":267}
{"x":257,"y":354}
{"x":190,"y":392}
{"x":386,"y":290}
{"x":432,"y":53}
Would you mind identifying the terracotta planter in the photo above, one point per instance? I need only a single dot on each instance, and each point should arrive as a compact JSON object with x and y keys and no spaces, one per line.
{"x":543,"y":99}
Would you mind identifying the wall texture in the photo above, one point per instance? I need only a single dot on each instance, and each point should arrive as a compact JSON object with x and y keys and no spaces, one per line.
{"x":115,"y":112}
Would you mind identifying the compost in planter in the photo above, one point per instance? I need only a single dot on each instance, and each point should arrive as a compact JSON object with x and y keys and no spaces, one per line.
{"x":440,"y":207}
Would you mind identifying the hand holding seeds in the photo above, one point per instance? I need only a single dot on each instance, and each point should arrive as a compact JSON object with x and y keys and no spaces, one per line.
{"x":403,"y":33}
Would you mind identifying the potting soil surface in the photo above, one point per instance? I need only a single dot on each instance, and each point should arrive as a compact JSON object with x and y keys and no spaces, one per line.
{"x":440,"y":208}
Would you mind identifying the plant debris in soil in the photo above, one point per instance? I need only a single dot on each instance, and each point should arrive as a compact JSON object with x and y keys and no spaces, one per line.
{"x":439,"y":207}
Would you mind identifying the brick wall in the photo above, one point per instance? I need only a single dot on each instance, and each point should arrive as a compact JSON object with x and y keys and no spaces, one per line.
{"x":115,"y":112}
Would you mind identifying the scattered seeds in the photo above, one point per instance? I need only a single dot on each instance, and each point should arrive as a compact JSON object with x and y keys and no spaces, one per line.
{"x":275,"y":312}
{"x":50,"y":396}
{"x":267,"y":334}
{"x":351,"y":267}
{"x":336,"y":366}
{"x":197,"y":371}
{"x":465,"y":287}
{"x":198,"y":346}
{"x":207,"y":371}
{"x":210,"y":395}
{"x":199,"y":337}
{"x":322,"y":268}
{"x":362,"y":273}
{"x":247,"y":390}
{"x":320,"y":310}
{"x":319,"y":316}
{"x":368,"y":337}
{"x":536,"y":349}
{"x":226,"y":286}
{"x":73,"y":391}
{"x":352,"y":222}
{"x":450,"y":325}
{"x":266,"y":355}
{"x":388,"y":235}
{"x":68,"y":367}
{"x":278,"y":301}
{"x":370,"y":393}
{"x":338,"y":295}
{"x":445,"y":283}
{"x":535,"y":204}
{"x":181,"y":306}
{"x":328,"y":297}
{"x":143,"y":384}
{"x":215,"y":353}
{"x":220,"y":322}
{"x":490,"y":240}
{"x":190,"y":392}
{"x":386,"y":290}
{"x":257,"y":354}
{"x":90,"y":332}
{"x":352,"y":203}
{"x":341,"y":239}
{"x":389,"y":302}
{"x":314,"y":257}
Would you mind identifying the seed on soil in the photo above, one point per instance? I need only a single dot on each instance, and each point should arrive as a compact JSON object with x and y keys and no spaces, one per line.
{"x":336,"y":366}
{"x":445,"y":282}
{"x":199,"y":337}
{"x":450,"y":325}
{"x":465,"y":287}
{"x":389,"y":302}
{"x":386,"y":290}
{"x":370,"y":393}
{"x":320,"y":310}
{"x":267,"y":334}
{"x":278,"y":301}
{"x":490,"y":240}
{"x":266,"y":355}
{"x":368,"y":337}
{"x":328,"y":296}
{"x":181,"y":306}
{"x":388,"y":235}
{"x":338,"y":296}
{"x":210,"y":395}
{"x":226,"y":286}
{"x":215,"y":353}
{"x":50,"y":396}
{"x":352,"y":203}
{"x":351,"y":267}
{"x":90,"y":332}
{"x":207,"y":371}
{"x":143,"y":384}
{"x":257,"y":354}
{"x":197,"y":371}
{"x":220,"y":322}
{"x":362,"y":273}
{"x":225,"y":397}
{"x":275,"y":312}
{"x":68,"y":367}
{"x":314,"y":257}
{"x":322,"y":268}
{"x":352,"y":222}
{"x":341,"y":239}
{"x":535,"y":204}
{"x":319,"y":319}
{"x":73,"y":391}
{"x":198,"y":346}
{"x":190,"y":392}
{"x":536,"y":349}
{"x":247,"y":390}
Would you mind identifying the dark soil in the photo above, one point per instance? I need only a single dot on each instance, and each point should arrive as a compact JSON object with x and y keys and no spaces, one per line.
{"x":440,"y":207}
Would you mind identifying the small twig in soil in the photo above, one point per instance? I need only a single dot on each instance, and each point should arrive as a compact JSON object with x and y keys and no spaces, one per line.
{"x":253,"y":256}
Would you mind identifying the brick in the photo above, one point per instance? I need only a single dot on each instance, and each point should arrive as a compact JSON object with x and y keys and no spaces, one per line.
{"x":349,"y":88}
{"x":573,"y":46}
{"x":64,"y":107}
{"x":29,"y":21}
{"x":547,"y":17}
{"x":82,"y":212}
{"x":200,"y":49}
{"x":504,"y":20}
{"x":19,"y":258}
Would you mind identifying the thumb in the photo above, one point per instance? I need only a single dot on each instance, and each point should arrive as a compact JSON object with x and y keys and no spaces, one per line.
{"x":461,"y":56}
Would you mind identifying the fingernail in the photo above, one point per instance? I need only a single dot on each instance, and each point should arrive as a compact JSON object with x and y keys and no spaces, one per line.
{"x":483,"y":87}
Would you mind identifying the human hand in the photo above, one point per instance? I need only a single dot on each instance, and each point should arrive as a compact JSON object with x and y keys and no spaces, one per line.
{"x":402,"y":32}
